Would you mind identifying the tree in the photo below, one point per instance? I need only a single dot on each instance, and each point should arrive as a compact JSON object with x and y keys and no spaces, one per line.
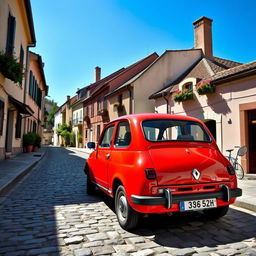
{"x":49,"y":115}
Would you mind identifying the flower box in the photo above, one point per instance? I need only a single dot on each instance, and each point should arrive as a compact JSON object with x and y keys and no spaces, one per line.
{"x":204,"y":87}
{"x":181,"y":96}
{"x":11,"y":68}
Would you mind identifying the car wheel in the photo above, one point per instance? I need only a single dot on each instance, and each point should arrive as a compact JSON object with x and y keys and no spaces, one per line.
{"x":216,"y":213}
{"x":90,"y":188}
{"x":127,"y":217}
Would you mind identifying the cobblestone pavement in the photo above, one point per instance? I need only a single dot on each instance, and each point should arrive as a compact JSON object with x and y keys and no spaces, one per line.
{"x":49,"y":213}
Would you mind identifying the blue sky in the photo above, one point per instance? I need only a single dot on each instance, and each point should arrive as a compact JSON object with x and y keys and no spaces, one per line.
{"x":75,"y":36}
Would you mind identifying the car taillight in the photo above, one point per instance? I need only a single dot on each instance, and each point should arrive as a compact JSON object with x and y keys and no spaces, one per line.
{"x":231,"y":170}
{"x":150,"y":174}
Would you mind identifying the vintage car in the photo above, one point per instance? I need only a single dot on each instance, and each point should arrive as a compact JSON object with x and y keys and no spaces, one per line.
{"x":160,"y":163}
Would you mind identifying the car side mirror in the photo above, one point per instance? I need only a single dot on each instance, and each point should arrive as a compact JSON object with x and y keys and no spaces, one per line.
{"x":91,"y":145}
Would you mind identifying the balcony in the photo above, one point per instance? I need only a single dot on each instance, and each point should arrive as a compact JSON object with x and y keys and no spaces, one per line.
{"x":103,"y":112}
{"x":77,"y":121}
{"x":87,"y":120}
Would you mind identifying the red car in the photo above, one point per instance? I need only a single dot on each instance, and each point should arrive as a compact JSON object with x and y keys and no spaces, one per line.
{"x":160,"y":163}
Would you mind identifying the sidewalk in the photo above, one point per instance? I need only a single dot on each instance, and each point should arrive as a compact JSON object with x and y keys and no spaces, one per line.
{"x":12,"y":170}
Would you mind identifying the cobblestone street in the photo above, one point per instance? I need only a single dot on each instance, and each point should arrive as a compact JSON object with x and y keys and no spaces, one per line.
{"x":49,"y":213}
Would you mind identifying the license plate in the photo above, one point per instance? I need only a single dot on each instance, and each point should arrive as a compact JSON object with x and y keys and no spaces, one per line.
{"x":196,"y":205}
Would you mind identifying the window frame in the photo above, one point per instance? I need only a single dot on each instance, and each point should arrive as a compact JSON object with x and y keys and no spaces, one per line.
{"x":116,"y":135}
{"x":102,"y":136}
{"x":181,"y":120}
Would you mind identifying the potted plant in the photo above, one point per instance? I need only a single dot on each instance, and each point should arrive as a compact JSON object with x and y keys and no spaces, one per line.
{"x":29,"y":141}
{"x":181,"y":96}
{"x":204,"y":87}
{"x":37,"y":142}
{"x":80,"y":139}
{"x":11,"y":68}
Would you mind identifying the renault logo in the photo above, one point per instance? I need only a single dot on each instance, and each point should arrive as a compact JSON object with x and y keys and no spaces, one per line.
{"x":196,"y":174}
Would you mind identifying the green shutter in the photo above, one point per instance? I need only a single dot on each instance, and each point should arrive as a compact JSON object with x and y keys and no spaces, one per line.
{"x":10,"y":34}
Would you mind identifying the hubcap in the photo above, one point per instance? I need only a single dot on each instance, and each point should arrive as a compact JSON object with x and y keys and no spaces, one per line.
{"x":122,"y":207}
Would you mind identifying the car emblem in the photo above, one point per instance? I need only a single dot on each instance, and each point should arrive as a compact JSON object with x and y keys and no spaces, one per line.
{"x":196,"y":174}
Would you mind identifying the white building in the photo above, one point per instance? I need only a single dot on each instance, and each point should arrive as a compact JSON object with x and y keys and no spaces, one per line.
{"x":57,"y":123}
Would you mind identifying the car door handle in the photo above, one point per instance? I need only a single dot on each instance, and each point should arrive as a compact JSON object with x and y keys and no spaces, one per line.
{"x":107,"y":156}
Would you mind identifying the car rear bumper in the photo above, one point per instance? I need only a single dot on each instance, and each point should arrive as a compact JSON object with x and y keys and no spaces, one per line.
{"x":168,"y":199}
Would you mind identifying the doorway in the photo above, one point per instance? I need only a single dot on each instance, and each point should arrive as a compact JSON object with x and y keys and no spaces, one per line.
{"x":211,"y":125}
{"x":9,"y":131}
{"x":252,"y":140}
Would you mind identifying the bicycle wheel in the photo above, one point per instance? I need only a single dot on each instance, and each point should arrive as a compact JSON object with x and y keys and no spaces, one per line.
{"x":239,"y":171}
{"x":231,"y":160}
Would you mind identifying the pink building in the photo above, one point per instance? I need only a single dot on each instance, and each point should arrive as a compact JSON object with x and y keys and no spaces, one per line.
{"x":220,"y":92}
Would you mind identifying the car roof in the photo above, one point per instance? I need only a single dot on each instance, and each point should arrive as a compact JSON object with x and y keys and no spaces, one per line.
{"x":146,"y":116}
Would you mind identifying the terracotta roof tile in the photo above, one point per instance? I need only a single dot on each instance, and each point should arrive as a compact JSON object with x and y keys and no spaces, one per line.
{"x":235,"y":70}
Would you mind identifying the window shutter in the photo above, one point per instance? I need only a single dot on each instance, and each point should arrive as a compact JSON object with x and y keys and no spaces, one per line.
{"x":1,"y":117}
{"x":30,"y":82}
{"x":10,"y":34}
{"x":21,"y":55}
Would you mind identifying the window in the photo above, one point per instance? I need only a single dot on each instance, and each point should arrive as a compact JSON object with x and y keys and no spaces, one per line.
{"x":10,"y":34}
{"x":107,"y":137}
{"x":188,"y":86}
{"x":86,"y":133}
{"x":18,"y":126}
{"x":1,"y":117}
{"x":174,"y":130}
{"x":120,"y":99}
{"x":21,"y":55}
{"x":34,"y":126}
{"x":123,"y":136}
{"x":98,"y":132}
{"x":92,"y":109}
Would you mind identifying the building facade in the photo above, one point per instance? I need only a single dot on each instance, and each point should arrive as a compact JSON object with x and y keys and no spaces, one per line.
{"x":36,"y":90}
{"x":16,"y":35}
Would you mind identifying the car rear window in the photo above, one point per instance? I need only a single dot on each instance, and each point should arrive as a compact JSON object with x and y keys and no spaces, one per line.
{"x":174,"y":130}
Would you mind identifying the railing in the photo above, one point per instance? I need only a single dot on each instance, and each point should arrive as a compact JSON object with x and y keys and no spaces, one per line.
{"x":77,"y":121}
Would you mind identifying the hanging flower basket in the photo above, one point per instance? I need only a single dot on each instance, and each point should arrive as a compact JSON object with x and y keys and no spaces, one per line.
{"x":11,"y":68}
{"x":204,"y":87}
{"x":181,"y":96}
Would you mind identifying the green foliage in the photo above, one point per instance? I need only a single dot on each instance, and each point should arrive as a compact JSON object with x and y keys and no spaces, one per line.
{"x":66,"y":135}
{"x":37,"y":140}
{"x":183,"y":96}
{"x":63,"y":127}
{"x":11,"y":68}
{"x":72,"y":139}
{"x":29,"y":139}
{"x":80,"y":138}
{"x":50,"y":114}
{"x":204,"y":87}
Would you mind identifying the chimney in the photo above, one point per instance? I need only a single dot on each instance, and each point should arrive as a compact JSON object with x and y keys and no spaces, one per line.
{"x":97,"y":74}
{"x":68,"y":98}
{"x":203,"y":35}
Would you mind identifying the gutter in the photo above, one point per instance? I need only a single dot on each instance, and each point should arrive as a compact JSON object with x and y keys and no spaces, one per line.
{"x":166,"y":97}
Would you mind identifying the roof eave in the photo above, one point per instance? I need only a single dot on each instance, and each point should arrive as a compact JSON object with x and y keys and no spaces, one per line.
{"x":230,"y":77}
{"x":30,"y":22}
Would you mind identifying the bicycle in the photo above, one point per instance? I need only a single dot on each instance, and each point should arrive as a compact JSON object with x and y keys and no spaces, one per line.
{"x":234,"y":161}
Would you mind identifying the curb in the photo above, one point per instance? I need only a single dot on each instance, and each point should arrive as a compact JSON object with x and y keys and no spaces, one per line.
{"x":7,"y":187}
{"x":245,"y":205}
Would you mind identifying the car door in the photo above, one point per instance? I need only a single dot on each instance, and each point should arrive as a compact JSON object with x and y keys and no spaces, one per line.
{"x":103,"y":156}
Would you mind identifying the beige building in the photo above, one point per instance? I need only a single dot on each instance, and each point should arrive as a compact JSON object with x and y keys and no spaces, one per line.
{"x":132,"y":96}
{"x":77,"y":121}
{"x":220,"y":92}
{"x":36,"y":90}
{"x":16,"y":35}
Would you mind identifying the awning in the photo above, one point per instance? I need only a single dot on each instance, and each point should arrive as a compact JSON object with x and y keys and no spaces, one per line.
{"x":21,"y":107}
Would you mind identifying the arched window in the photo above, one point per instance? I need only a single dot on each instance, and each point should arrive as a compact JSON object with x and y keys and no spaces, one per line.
{"x":188,"y":86}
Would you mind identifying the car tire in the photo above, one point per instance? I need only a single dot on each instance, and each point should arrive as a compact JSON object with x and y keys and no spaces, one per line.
{"x":90,"y":186}
{"x":216,"y":213}
{"x":127,"y":217}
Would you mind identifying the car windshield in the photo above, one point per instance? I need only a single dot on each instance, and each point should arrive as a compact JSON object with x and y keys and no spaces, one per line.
{"x":174,"y":130}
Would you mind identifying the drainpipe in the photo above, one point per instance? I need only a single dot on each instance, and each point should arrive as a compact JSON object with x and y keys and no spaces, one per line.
{"x":166,"y":97}
{"x":130,"y":102}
